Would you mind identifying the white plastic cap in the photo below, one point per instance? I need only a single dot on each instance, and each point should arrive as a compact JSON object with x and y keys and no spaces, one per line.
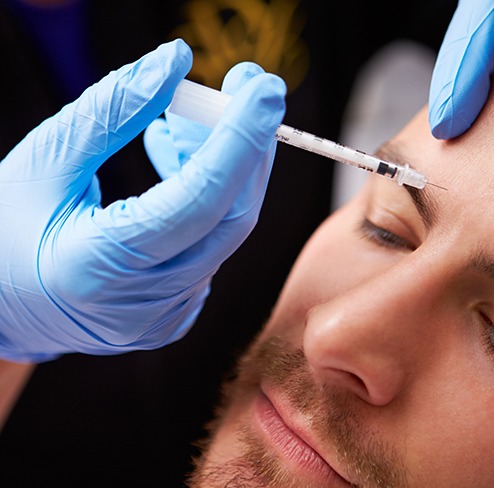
{"x":199,"y":103}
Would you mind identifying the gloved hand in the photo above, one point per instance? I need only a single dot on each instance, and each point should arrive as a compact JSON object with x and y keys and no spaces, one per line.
{"x":461,"y":77}
{"x":75,"y":277}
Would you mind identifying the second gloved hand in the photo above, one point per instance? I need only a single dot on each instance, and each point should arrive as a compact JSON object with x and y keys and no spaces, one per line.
{"x":461,"y":78}
{"x":75,"y":277}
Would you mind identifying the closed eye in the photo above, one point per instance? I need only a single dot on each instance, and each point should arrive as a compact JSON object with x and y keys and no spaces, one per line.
{"x":383,"y":237}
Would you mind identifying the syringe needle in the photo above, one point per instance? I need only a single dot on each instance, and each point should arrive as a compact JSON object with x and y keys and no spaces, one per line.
{"x":437,"y":186}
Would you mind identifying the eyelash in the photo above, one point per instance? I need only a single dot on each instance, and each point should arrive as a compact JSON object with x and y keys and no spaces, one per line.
{"x":383,"y":237}
{"x":488,"y":332}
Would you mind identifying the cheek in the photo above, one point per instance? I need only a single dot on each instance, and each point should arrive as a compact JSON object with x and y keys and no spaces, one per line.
{"x":450,"y":429}
{"x":331,"y":262}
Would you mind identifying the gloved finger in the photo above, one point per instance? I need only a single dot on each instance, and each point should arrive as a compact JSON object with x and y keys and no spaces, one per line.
{"x":240,"y":74}
{"x":77,"y":140}
{"x":170,"y":142}
{"x":188,"y":136}
{"x":159,"y":148}
{"x":206,"y":256}
{"x":461,"y":77}
{"x":250,"y":199}
{"x":178,"y":212}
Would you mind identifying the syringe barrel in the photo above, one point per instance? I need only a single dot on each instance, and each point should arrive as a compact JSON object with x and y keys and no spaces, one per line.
{"x":205,"y":105}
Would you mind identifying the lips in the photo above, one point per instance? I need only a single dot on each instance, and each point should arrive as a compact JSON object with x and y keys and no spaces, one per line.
{"x":298,"y":454}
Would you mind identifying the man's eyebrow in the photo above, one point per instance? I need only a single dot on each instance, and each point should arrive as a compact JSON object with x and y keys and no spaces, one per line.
{"x":423,"y":199}
{"x":481,"y":262}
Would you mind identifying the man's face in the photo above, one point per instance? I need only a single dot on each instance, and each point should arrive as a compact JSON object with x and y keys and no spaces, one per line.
{"x":376,"y":368}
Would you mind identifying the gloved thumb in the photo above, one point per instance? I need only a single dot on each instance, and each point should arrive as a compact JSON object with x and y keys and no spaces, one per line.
{"x":461,"y":78}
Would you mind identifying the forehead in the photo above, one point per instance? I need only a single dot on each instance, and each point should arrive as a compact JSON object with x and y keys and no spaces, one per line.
{"x":465,"y":165}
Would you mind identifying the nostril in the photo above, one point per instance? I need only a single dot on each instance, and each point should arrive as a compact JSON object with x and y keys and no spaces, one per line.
{"x":359,"y":382}
{"x":357,"y":385}
{"x":344,"y":379}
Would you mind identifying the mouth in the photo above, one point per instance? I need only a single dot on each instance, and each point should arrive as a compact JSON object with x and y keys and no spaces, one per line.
{"x":294,"y":446}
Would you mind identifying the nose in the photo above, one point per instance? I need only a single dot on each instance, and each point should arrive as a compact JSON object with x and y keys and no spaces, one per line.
{"x":372,"y":338}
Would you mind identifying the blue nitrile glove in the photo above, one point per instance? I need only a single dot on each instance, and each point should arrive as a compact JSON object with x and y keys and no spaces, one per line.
{"x":461,"y":77}
{"x":78,"y":278}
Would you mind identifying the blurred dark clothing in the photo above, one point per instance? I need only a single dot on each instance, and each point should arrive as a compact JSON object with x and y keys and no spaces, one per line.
{"x":102,"y":421}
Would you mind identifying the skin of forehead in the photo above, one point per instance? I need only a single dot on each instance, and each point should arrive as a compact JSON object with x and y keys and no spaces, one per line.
{"x":464,"y":165}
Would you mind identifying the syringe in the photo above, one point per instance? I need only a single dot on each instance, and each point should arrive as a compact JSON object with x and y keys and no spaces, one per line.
{"x":205,"y":105}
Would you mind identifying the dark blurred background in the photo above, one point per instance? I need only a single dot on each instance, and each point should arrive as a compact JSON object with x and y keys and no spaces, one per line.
{"x":105,"y":421}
